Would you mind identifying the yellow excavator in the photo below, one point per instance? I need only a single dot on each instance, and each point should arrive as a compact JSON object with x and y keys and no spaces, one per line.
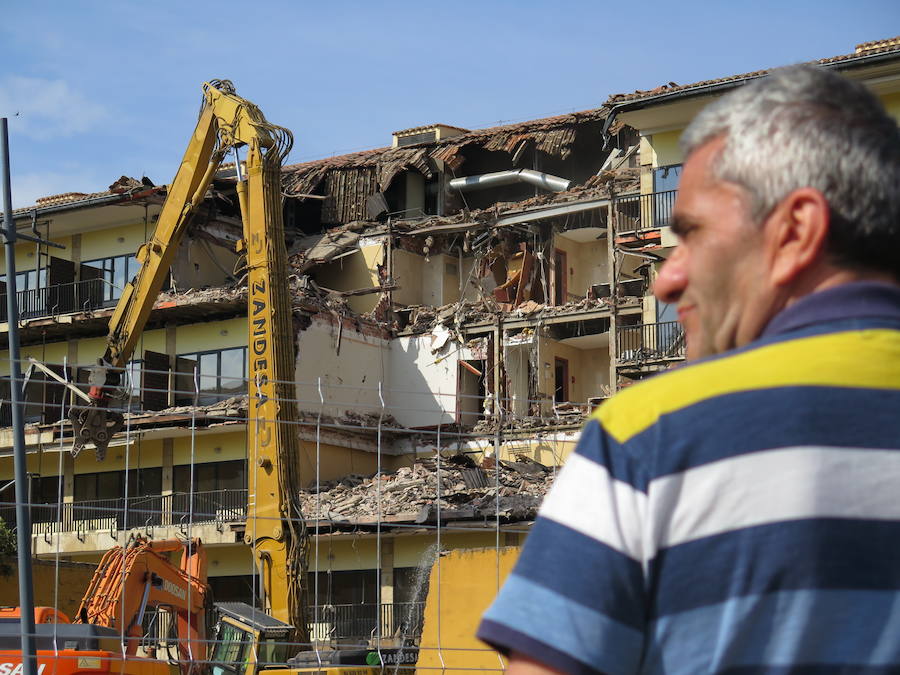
{"x":275,"y":527}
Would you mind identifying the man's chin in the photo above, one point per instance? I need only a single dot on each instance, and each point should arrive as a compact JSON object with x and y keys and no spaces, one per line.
{"x":696,"y":348}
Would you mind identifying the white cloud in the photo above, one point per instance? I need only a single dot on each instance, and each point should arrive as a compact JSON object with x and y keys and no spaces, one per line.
{"x":44,"y":109}
{"x":28,"y":188}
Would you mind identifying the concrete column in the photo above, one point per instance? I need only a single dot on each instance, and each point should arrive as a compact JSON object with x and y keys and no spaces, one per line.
{"x":171,"y":352}
{"x":68,"y":479}
{"x":168,"y":478}
{"x":387,"y":571}
{"x":76,"y":248}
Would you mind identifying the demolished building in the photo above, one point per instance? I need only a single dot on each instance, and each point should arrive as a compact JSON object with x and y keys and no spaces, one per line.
{"x":455,"y":295}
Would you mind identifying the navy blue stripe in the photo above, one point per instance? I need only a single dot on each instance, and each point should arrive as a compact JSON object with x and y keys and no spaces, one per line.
{"x":819,"y":554}
{"x":858,"y":300}
{"x":598,"y":446}
{"x":506,"y":640}
{"x":797,"y":333}
{"x":750,"y":421}
{"x":814,"y":669}
{"x":573,"y":565}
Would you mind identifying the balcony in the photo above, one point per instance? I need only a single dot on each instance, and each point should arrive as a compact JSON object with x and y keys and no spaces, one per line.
{"x":179,"y":509}
{"x":359,"y":622}
{"x":650,"y":343}
{"x":638,"y":213}
{"x":78,"y":296}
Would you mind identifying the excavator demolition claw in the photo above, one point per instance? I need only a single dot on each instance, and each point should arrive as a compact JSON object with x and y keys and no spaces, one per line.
{"x":94,"y":425}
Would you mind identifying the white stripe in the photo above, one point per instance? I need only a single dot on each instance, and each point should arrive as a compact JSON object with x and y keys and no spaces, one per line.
{"x":587,"y":499}
{"x":773,"y":486}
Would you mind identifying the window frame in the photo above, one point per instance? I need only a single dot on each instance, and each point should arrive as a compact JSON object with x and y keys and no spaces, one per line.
{"x":209,"y":396}
{"x":107,"y":265}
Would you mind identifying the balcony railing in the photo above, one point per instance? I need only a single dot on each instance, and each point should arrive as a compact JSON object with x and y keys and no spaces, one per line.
{"x":217,"y":506}
{"x":645,"y":212}
{"x":650,"y":342}
{"x":78,"y":296}
{"x":359,"y":622}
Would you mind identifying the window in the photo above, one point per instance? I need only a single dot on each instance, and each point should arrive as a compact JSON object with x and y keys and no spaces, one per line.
{"x":665,"y":182}
{"x":232,"y":648}
{"x":344,"y":587}
{"x":116,"y":272}
{"x":111,"y":484}
{"x":44,"y":489}
{"x":27,"y":281}
{"x":666,"y":177}
{"x":221,"y":373}
{"x":211,"y":476}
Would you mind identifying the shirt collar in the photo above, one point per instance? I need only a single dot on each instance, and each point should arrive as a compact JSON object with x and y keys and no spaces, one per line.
{"x":855,"y":300}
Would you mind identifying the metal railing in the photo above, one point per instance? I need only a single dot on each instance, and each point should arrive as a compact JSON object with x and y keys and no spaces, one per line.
{"x":645,"y":212}
{"x":650,"y":342}
{"x":217,"y":506}
{"x":360,"y":621}
{"x":78,"y":296}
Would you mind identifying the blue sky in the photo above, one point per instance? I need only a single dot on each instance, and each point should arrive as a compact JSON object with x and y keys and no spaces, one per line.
{"x":109,"y":88}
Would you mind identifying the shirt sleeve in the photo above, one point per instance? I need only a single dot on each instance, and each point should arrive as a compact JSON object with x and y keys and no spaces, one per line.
{"x":575,"y":600}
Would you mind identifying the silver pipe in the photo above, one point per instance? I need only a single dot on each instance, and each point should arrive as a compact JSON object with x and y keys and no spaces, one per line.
{"x":542,"y":180}
{"x":23,"y":519}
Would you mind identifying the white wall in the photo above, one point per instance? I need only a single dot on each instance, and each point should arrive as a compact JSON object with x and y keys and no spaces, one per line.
{"x":422,"y":389}
{"x":349,"y":379}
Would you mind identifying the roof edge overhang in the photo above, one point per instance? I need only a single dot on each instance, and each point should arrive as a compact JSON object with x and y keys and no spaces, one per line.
{"x":715,"y":87}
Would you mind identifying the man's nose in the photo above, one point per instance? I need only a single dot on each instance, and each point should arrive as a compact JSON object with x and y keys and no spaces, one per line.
{"x":672,"y":278}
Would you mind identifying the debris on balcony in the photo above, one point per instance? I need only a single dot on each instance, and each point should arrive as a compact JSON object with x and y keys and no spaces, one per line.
{"x":513,"y":491}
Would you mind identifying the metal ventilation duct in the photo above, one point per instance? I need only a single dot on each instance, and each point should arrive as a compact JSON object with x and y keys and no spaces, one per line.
{"x":542,"y":180}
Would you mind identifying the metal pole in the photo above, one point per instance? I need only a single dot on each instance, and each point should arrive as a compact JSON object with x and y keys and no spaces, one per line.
{"x":23,"y":519}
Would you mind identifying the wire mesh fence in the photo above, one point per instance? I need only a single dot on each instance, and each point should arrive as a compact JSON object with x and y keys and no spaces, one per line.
{"x":382,"y":503}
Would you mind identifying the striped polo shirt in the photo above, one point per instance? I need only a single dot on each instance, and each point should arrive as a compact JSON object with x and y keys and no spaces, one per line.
{"x":740,"y":514}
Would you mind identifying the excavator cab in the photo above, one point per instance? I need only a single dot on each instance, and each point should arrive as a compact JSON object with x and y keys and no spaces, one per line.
{"x":250,"y":642}
{"x":247,"y":640}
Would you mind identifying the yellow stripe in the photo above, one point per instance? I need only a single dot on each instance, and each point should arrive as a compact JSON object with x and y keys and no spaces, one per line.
{"x":863,"y":359}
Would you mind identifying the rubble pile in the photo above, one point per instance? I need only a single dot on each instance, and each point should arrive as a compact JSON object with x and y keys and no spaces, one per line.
{"x":410,"y":494}
{"x":212,"y":294}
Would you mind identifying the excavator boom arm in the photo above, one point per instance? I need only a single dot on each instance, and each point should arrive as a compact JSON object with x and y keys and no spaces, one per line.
{"x":275,"y":525}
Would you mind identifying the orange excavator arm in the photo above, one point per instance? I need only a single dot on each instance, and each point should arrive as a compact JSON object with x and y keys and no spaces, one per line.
{"x":130,"y":580}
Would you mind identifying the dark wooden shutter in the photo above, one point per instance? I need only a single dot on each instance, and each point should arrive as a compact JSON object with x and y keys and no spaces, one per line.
{"x":155,"y":381}
{"x":61,"y":283}
{"x":90,"y":288}
{"x":184,"y":381}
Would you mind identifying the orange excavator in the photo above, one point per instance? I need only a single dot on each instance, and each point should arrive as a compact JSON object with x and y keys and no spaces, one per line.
{"x":107,"y":631}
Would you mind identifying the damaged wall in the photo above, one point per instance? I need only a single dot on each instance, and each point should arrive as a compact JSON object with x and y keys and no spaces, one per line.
{"x":588,"y":370}
{"x":423,"y":382}
{"x":349,"y":362}
{"x":586,"y":259}
{"x":353,"y":272}
{"x":199,"y":264}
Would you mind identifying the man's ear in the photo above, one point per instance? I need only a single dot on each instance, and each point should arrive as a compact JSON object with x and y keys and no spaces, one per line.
{"x":796,"y":234}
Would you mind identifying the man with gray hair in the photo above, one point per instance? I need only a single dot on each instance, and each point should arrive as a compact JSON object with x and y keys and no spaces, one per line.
{"x":740,"y":514}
